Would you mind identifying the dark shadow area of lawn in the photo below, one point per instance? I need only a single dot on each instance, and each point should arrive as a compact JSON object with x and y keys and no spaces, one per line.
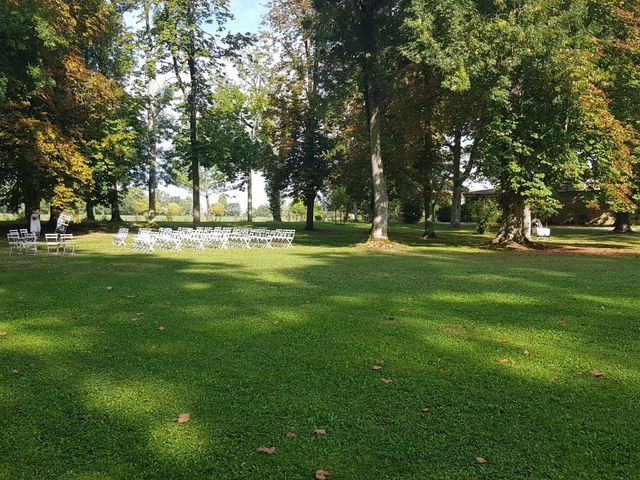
{"x":99,"y":384}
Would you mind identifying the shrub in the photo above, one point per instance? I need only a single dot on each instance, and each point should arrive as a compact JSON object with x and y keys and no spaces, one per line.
{"x":484,"y":211}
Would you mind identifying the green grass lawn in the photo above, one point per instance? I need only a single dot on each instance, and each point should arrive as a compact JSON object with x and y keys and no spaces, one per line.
{"x":259,"y":343}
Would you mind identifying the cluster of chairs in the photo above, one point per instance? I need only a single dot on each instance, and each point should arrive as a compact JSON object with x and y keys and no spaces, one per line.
{"x":21,"y":242}
{"x":201,"y":238}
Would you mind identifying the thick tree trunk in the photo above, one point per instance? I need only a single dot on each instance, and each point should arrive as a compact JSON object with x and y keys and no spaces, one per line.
{"x":309,"y":203}
{"x":456,"y":200}
{"x":274,"y":205}
{"x":249,"y":196}
{"x":91,"y":214}
{"x":516,"y":221}
{"x":115,"y":204}
{"x":32,"y":197}
{"x":429,"y":214}
{"x":373,"y":111}
{"x":623,"y":223}
{"x":54,"y":213}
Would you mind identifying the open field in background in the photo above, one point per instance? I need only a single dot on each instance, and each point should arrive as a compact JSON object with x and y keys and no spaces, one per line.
{"x":103,"y":350}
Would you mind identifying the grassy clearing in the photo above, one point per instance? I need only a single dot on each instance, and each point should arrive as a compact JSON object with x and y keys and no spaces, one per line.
{"x":260,"y":343}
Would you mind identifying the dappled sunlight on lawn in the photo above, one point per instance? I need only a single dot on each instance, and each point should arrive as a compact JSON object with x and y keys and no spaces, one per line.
{"x":256,"y":344}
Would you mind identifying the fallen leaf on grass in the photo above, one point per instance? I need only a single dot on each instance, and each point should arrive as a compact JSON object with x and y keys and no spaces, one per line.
{"x":87,"y":417}
{"x":183,"y":418}
{"x":109,"y":288}
{"x":482,"y":460}
{"x":3,"y":334}
{"x":276,"y":322}
{"x":596,"y":373}
{"x":425,"y":410}
{"x":161,"y":328}
{"x":526,"y":353}
{"x":15,"y":371}
{"x":387,"y":381}
{"x":291,"y":435}
{"x":322,"y":474}
{"x":320,"y":431}
{"x":266,"y":450}
{"x":502,"y":360}
{"x":377,"y":367}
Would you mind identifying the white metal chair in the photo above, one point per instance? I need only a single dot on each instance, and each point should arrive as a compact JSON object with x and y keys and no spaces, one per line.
{"x":120,"y":238}
{"x":68,"y":243}
{"x":52,"y":242}
{"x":16,"y":244}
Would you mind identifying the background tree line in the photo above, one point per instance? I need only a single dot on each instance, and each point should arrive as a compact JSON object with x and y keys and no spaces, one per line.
{"x":375,"y":107}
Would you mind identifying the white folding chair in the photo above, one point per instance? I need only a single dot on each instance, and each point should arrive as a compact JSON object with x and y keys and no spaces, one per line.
{"x":52,"y":242}
{"x":120,"y":238}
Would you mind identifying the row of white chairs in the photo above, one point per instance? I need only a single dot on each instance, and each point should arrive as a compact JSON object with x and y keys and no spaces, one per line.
{"x":22,"y":242}
{"x":201,"y":238}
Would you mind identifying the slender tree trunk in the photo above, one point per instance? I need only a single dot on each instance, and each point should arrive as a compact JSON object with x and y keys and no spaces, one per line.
{"x":623,"y":223}
{"x":91,"y":214}
{"x":373,"y":111}
{"x":193,"y":130}
{"x":250,"y":196}
{"x":355,"y":212}
{"x":151,"y":122}
{"x":456,"y":200}
{"x":115,"y":204}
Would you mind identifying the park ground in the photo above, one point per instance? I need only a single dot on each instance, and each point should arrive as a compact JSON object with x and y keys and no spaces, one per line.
{"x":489,"y":363}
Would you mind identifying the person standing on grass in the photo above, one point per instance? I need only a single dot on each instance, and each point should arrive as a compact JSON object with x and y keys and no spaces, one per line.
{"x":35,"y":222}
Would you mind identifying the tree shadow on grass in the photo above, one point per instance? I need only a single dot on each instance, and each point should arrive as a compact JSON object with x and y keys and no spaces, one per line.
{"x":254,"y":348}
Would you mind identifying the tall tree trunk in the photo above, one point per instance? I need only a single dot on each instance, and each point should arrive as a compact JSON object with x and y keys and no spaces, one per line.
{"x":456,"y":200}
{"x":151,"y":121}
{"x":355,"y":212}
{"x":249,"y":196}
{"x":91,"y":214}
{"x":373,"y":111}
{"x":115,"y":204}
{"x":193,"y":130}
{"x":623,"y":223}
{"x":309,"y":201}
{"x":274,"y":205}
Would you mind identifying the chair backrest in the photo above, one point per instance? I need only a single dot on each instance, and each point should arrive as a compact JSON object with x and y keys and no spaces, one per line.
{"x":51,"y":237}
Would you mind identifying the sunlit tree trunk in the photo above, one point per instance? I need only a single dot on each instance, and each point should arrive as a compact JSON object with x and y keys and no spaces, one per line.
{"x":458,"y":179}
{"x":249,"y":196}
{"x":373,"y":111}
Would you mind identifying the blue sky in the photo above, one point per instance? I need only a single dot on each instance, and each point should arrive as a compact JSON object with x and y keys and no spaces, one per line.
{"x":247,"y":15}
